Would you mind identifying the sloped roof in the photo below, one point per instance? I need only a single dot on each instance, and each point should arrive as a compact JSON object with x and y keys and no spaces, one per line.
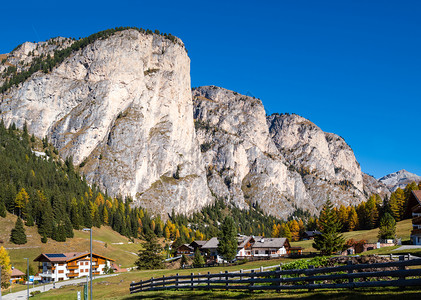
{"x":65,"y":257}
{"x":417,"y":195}
{"x":312,"y":233}
{"x":17,"y":272}
{"x":212,"y":243}
{"x":186,"y":245}
{"x":269,"y":242}
{"x":199,"y":243}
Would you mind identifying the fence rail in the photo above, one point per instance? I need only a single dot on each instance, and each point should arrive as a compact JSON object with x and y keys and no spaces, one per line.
{"x":393,"y":274}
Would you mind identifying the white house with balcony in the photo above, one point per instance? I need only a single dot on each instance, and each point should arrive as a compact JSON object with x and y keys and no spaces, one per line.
{"x":63,"y":266}
{"x":250,"y":246}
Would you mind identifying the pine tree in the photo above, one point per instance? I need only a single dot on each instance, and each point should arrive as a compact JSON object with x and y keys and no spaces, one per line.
{"x":397,"y":204}
{"x":18,"y":235}
{"x":352,"y":219}
{"x":198,"y":260}
{"x":387,"y":227}
{"x":21,"y":201}
{"x":372,"y":212}
{"x":151,"y":257}
{"x":285,"y":232}
{"x":330,"y":240}
{"x":6,"y":267}
{"x":2,"y":209}
{"x":295,"y":230}
{"x":227,"y":238}
{"x":275,"y":231}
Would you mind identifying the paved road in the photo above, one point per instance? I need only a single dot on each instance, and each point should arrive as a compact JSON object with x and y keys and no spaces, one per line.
{"x":408,"y":247}
{"x":47,"y":287}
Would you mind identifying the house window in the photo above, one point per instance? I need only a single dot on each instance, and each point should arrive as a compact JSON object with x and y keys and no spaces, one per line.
{"x":60,"y":271}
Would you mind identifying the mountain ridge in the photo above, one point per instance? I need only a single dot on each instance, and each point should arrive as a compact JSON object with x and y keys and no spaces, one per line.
{"x":399,"y":179}
{"x":124,"y":109}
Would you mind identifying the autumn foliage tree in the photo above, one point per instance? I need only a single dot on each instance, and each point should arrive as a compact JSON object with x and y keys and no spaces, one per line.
{"x":6,"y":267}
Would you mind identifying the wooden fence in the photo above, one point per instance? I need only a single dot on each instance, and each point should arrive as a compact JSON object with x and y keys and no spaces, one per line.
{"x":348,"y":276}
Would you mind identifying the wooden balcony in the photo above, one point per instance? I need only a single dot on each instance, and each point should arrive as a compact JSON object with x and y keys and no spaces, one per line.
{"x":416,"y":220}
{"x":416,"y":209}
{"x":416,"y":231}
{"x":72,"y":275}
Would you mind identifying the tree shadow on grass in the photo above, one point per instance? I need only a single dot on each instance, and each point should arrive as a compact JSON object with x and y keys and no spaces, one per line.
{"x":386,"y":293}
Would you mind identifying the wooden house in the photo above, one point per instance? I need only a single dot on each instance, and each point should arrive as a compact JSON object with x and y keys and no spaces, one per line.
{"x":63,"y":266}
{"x":414,"y":203}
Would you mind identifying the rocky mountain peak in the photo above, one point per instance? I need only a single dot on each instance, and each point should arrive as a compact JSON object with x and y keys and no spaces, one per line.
{"x":399,"y":179}
{"x":123,"y":108}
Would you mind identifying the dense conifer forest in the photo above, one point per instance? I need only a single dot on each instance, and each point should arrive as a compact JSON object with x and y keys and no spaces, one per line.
{"x":47,"y":192}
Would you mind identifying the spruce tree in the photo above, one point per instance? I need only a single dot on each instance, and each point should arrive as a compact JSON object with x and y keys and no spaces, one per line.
{"x":198,"y":260}
{"x":387,"y":227}
{"x":150,"y":257}
{"x":18,"y":235}
{"x":330,"y":240}
{"x":227,"y":238}
{"x":2,"y":209}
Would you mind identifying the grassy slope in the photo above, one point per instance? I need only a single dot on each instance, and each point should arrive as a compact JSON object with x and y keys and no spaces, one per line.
{"x":103,"y":237}
{"x":403,"y":231}
{"x":118,"y":288}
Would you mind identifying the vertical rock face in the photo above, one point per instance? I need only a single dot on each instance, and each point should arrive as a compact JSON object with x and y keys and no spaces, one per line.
{"x":326,"y":163}
{"x":244,"y":165}
{"x":122,"y":106}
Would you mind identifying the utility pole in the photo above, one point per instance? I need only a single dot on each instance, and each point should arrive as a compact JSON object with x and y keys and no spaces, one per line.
{"x":27,"y":278}
{"x":90,"y":269}
{"x":0,"y":282}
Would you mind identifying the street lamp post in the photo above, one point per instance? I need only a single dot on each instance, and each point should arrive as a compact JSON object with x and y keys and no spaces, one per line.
{"x":27,"y":278}
{"x":0,"y":282}
{"x":90,"y":269}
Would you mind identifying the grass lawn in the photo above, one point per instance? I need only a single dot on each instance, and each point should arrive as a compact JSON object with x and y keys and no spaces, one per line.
{"x":105,"y":242}
{"x":118,"y":287}
{"x":403,"y":231}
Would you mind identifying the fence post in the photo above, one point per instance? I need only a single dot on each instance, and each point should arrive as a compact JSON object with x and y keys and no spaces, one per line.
{"x":226,"y":278}
{"x":141,"y":283}
{"x":241,"y":272}
{"x":350,"y":271}
{"x":280,"y":278}
{"x":152,"y":282}
{"x":261,"y":268}
{"x":208,"y":280}
{"x":391,"y":256}
{"x":401,"y":278}
{"x":176,"y":282}
{"x":163,"y":281}
{"x":311,"y":281}
{"x":191,"y":279}
{"x":252,"y":277}
{"x":220,"y":277}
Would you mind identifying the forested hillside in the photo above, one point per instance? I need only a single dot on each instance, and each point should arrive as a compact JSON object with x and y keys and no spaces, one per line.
{"x":43,"y":190}
{"x":50,"y":194}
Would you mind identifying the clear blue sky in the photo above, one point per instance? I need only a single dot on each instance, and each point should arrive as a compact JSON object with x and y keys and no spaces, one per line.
{"x":351,"y":67}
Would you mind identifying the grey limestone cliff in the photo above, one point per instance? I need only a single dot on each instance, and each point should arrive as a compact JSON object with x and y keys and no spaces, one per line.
{"x":122,"y":107}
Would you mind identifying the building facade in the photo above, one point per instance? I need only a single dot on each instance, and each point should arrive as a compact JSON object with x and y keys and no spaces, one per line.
{"x":63,"y":266}
{"x":414,"y":203}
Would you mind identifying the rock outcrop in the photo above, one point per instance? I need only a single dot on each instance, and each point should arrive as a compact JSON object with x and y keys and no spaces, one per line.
{"x":399,"y":179}
{"x":122,"y":107}
{"x":243,"y":164}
